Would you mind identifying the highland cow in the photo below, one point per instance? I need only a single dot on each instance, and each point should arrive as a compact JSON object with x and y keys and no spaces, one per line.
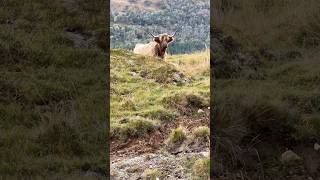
{"x":157,"y":47}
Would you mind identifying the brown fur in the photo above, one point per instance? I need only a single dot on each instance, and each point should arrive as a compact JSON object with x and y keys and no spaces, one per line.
{"x":156,"y":48}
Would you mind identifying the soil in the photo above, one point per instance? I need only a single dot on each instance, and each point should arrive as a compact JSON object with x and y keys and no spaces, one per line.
{"x":126,"y":154}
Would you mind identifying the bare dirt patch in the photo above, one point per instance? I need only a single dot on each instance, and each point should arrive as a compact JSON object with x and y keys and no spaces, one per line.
{"x":153,"y":142}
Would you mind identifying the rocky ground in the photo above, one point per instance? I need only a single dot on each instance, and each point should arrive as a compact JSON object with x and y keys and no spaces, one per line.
{"x":171,"y":166}
{"x":131,"y":159}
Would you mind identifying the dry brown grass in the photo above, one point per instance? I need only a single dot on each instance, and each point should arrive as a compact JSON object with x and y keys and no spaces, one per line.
{"x":274,"y":23}
{"x":195,"y":64}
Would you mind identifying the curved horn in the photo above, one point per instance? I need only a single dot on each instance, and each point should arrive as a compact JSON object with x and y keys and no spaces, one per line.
{"x":174,"y":33}
{"x":151,"y":34}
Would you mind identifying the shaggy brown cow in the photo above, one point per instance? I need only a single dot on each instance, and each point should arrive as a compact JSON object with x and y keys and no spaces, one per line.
{"x":157,"y":47}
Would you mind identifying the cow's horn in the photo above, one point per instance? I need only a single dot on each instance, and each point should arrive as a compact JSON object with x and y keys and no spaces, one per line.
{"x":174,"y":33}
{"x":151,"y":34}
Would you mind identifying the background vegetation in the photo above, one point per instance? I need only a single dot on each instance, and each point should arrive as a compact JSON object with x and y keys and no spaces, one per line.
{"x":190,"y":18}
{"x":52,"y":88}
{"x":266,"y":64}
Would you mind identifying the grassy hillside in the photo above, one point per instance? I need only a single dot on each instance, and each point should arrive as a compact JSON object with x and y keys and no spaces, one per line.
{"x":52,"y":87}
{"x":266,"y":89}
{"x":150,"y":88}
{"x":157,"y":105}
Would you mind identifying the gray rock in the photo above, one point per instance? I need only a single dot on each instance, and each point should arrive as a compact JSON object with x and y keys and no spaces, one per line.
{"x":289,"y":156}
{"x":134,"y":74}
{"x":316,"y":146}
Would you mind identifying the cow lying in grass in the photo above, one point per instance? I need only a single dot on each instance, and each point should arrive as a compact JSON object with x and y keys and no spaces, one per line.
{"x":157,"y":47}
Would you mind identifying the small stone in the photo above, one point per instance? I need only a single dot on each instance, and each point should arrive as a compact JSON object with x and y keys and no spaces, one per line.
{"x":316,"y":146}
{"x":289,"y":156}
{"x":134,"y":74}
{"x":200,"y":111}
{"x":205,"y":153}
{"x":176,"y":77}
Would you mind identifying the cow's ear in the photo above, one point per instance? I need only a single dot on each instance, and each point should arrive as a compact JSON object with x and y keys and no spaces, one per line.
{"x":156,"y":39}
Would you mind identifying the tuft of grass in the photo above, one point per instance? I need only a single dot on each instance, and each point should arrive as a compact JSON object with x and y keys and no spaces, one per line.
{"x":185,"y":100}
{"x":134,"y":127}
{"x":153,"y":174}
{"x":177,"y":135}
{"x":202,"y":132}
{"x":201,"y":168}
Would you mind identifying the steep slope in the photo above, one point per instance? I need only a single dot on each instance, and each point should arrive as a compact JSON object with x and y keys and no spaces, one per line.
{"x":158,"y":111}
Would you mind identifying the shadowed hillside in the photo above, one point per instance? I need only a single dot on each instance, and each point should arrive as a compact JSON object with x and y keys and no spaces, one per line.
{"x":52,"y":89}
{"x":266,"y":66}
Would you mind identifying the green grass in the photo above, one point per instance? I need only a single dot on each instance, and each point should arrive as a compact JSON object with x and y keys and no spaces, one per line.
{"x":177,"y":135}
{"x":146,"y":87}
{"x":201,"y":132}
{"x":52,"y":104}
{"x":134,"y":127}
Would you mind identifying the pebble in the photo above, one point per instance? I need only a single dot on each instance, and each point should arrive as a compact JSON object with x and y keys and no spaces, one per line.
{"x":134,"y":74}
{"x":316,"y":146}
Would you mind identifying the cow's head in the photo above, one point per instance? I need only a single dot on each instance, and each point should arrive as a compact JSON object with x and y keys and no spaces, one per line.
{"x":163,"y":40}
